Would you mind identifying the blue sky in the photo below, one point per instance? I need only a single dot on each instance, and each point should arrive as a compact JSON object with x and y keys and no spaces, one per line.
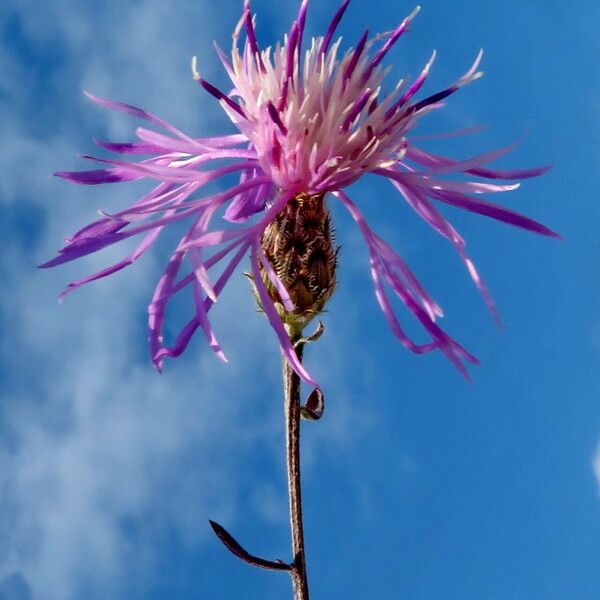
{"x":417,"y":484}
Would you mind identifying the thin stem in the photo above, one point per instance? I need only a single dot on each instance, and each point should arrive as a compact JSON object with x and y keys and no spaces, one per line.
{"x":292,"y":431}
{"x":293,"y":415}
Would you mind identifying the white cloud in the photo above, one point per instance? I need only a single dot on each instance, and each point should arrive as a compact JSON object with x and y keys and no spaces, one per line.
{"x":99,"y":456}
{"x":94,"y":442}
{"x":99,"y":439}
{"x":596,"y":466}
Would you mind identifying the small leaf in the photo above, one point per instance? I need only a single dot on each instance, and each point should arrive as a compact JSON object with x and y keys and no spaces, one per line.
{"x":313,"y":337}
{"x":235,"y":548}
{"x":315,"y":405}
{"x":318,"y":332}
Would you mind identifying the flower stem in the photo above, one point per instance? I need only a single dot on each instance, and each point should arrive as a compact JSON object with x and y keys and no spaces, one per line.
{"x":291,"y":382}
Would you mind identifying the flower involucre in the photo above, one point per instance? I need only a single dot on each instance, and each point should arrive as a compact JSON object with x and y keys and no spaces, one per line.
{"x":311,"y":122}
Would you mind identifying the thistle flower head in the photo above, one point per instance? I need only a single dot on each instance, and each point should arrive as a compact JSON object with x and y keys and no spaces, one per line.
{"x":311,"y":120}
{"x":318,"y":120}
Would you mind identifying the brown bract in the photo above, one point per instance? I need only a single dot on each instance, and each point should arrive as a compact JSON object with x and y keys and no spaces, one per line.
{"x":299,"y":244}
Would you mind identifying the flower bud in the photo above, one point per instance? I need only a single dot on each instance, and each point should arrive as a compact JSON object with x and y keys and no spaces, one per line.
{"x":299,"y":245}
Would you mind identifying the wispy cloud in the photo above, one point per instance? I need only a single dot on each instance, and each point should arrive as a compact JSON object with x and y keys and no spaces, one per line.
{"x":98,"y":454}
{"x":596,"y":465}
{"x":101,"y":458}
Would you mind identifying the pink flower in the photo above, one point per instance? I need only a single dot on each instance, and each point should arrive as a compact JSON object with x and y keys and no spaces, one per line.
{"x":311,"y":122}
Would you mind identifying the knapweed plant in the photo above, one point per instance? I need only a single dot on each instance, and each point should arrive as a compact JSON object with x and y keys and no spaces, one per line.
{"x":311,"y":118}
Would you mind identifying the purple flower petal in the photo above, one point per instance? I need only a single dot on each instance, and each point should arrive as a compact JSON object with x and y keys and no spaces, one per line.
{"x":128,"y":260}
{"x":89,"y":245}
{"x":469,"y":76}
{"x":333,"y":25}
{"x":356,"y":109}
{"x":463,"y":165}
{"x":159,"y":305}
{"x":432,"y":160}
{"x":98,"y":176}
{"x":128,"y":147}
{"x":136,"y":112}
{"x":356,"y":54}
{"x":392,"y":39}
{"x":381,"y":268}
{"x":251,"y":36}
{"x":276,"y":323}
{"x":157,"y":308}
{"x":417,"y":198}
{"x":413,"y":89}
{"x":494,"y":211}
{"x":205,"y":325}
{"x":275,"y":280}
{"x":250,"y":202}
{"x":222,"y":97}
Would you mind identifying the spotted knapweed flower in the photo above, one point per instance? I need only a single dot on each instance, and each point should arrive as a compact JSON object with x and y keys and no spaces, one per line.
{"x":310,"y":122}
